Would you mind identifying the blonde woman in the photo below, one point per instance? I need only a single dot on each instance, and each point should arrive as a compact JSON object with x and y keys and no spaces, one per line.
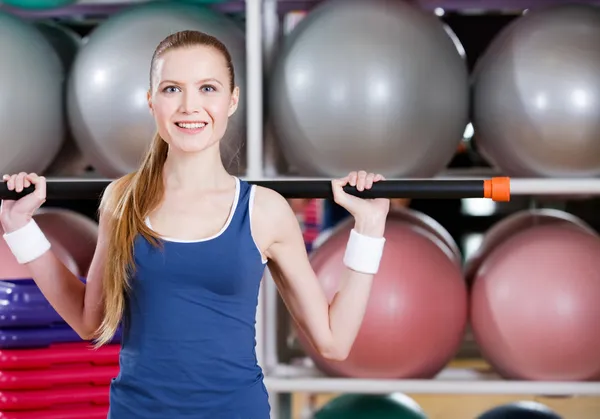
{"x":181,"y":252}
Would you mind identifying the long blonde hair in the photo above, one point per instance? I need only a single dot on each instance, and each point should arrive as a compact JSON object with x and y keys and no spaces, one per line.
{"x":132,"y":197}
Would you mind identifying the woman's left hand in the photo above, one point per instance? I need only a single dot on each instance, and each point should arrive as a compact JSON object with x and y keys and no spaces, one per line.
{"x":369,"y":214}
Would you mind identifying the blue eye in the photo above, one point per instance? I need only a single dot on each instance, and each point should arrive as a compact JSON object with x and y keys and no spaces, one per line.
{"x":208,"y":88}
{"x":170,"y":89}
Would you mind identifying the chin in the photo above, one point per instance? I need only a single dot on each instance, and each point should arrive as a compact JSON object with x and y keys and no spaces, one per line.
{"x":192,"y":145}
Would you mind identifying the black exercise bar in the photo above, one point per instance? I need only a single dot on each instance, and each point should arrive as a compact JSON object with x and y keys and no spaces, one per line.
{"x":497,"y":189}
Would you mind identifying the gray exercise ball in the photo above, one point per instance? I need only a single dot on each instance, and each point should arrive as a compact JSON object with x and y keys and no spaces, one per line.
{"x":536,"y":94}
{"x":69,"y":162}
{"x":375,"y":85}
{"x":107,"y":106}
{"x":31,"y":113}
{"x":65,"y":41}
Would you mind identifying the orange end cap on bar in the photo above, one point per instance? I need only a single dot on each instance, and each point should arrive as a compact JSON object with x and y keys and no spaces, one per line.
{"x":497,"y":189}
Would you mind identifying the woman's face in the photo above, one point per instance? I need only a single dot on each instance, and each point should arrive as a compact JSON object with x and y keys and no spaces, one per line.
{"x":190,"y":97}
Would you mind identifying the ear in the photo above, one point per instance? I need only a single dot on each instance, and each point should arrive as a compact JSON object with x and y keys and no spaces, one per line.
{"x":149,"y":99}
{"x":235,"y":98}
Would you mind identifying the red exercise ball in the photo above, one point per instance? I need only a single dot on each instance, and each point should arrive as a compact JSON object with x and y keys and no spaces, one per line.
{"x":438,"y":233}
{"x":417,"y":311}
{"x":534,"y":305}
{"x":74,"y":231}
{"x":11,"y":269}
{"x":518,"y":222}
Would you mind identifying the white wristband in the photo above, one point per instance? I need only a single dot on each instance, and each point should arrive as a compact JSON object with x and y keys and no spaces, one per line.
{"x":27,"y":243}
{"x":363,"y":253}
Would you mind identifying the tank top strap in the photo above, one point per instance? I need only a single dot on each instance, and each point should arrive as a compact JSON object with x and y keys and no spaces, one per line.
{"x":240,"y":228}
{"x":241,"y":215}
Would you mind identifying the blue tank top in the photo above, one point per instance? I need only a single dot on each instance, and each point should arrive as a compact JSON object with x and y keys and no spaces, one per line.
{"x":188,"y":346}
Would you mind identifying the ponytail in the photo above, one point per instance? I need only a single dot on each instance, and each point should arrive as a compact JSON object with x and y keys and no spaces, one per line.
{"x":128,"y":202}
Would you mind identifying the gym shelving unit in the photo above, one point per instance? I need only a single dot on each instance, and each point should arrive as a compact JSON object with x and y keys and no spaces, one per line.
{"x":262,"y":33}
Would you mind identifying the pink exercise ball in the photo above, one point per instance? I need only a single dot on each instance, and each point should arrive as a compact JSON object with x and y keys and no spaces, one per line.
{"x":417,"y":311}
{"x":518,"y":222}
{"x":74,"y":231}
{"x":534,"y":304}
{"x":11,"y":269}
{"x":438,"y":233}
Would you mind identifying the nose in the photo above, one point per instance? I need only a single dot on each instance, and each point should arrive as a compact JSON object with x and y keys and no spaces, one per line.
{"x":190,"y":102}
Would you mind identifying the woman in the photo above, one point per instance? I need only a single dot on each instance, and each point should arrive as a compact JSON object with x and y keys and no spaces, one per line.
{"x":181,"y":251}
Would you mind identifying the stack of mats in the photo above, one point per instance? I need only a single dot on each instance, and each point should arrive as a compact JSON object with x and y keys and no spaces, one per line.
{"x":46,"y":370}
{"x":311,"y":222}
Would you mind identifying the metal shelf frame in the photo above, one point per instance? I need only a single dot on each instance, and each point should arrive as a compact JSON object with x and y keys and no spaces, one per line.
{"x":282,"y":380}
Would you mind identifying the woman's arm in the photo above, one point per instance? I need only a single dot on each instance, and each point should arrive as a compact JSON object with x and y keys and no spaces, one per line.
{"x":331,"y":328}
{"x":80,"y":305}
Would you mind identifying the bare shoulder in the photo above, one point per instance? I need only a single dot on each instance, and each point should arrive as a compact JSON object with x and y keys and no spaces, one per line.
{"x":269,"y":200}
{"x":272,"y":206}
{"x":273,"y":217}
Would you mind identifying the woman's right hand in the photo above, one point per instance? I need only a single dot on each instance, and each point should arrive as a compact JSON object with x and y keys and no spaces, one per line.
{"x":16,"y":214}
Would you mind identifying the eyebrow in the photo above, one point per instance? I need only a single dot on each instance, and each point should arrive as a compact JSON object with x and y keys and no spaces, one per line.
{"x":211,"y":79}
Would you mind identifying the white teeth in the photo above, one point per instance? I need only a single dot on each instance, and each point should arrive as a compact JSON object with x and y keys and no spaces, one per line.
{"x":191,"y":125}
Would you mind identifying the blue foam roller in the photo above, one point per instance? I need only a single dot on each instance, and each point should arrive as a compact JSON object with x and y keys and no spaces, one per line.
{"x":42,"y":337}
{"x":22,"y":304}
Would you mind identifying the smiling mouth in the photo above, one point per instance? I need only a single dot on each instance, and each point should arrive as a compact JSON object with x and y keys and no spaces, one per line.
{"x":191,"y":125}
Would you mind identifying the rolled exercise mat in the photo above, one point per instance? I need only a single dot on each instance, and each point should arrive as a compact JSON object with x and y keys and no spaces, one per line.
{"x":69,"y":376}
{"x":57,"y":355}
{"x":94,"y":412}
{"x":22,"y":304}
{"x":41,"y":337}
{"x":51,"y":399}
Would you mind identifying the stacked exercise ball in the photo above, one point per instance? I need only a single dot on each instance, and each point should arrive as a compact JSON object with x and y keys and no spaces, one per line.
{"x":11,"y":269}
{"x":520,"y":410}
{"x":534,"y":297}
{"x":417,"y":310}
{"x":371,"y":406}
{"x":373,"y":84}
{"x":75,"y":232}
{"x":85,"y":104}
{"x":536,"y":94}
{"x":110,"y":79}
{"x":73,"y":237}
{"x":38,"y":4}
{"x":31,"y":98}
{"x":530,"y":294}
{"x":67,"y":43}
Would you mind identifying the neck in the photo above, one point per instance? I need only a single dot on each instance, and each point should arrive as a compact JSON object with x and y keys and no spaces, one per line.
{"x":195,"y":171}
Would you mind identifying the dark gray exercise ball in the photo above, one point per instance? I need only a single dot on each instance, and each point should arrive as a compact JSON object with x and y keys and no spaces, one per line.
{"x":375,"y":85}
{"x":69,"y":162}
{"x":31,"y":112}
{"x":107,"y":104}
{"x":536,"y":93}
{"x":66,"y":41}
{"x":520,"y":410}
